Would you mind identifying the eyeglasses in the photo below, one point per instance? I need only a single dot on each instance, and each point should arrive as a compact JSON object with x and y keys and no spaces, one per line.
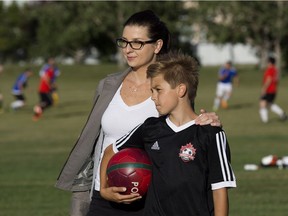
{"x":136,"y":45}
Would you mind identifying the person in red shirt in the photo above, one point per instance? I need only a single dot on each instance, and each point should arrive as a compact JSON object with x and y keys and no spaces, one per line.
{"x":45,"y":92}
{"x":269,"y":92}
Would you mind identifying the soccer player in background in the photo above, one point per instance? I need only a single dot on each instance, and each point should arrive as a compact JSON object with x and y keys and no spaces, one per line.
{"x":45,"y":91}
{"x":269,"y":92}
{"x":191,"y":163}
{"x":18,"y":89}
{"x":52,"y":64}
{"x":227,"y":76}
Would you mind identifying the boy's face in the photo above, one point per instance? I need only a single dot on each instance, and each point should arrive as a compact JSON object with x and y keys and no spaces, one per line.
{"x":228,"y":65}
{"x":164,"y":97}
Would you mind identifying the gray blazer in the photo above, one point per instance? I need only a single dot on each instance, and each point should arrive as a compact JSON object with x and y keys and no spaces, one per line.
{"x":77,"y":172}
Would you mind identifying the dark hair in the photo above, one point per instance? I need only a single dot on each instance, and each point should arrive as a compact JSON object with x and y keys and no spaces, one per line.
{"x":156,"y":28}
{"x":229,"y":63}
{"x":272,"y":60}
{"x":177,"y":68}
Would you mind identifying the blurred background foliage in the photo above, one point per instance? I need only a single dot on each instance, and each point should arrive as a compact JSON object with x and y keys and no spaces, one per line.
{"x":74,"y":28}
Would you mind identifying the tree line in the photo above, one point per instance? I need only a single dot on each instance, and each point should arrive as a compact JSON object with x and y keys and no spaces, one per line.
{"x":72,"y":28}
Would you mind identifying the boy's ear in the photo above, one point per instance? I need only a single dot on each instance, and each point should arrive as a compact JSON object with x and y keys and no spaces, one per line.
{"x":182,"y":90}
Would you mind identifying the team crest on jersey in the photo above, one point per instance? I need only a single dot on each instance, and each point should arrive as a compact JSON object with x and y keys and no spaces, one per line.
{"x":187,"y":152}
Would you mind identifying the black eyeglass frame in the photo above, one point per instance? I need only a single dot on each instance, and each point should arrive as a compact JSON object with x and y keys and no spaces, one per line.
{"x":142,"y":43}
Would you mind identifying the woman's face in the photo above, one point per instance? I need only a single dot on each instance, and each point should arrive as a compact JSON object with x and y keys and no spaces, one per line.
{"x":143,"y":57}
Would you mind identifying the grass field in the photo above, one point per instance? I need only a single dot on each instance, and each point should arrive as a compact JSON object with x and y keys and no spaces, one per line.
{"x":32,"y":153}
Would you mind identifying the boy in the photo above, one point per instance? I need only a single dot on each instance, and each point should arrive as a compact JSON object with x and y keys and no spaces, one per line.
{"x":45,"y":68}
{"x":269,"y":92}
{"x":18,"y":89}
{"x":45,"y":90}
{"x":191,"y":163}
{"x":227,"y":76}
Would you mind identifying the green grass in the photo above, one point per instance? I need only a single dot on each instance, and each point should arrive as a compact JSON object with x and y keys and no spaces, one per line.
{"x":32,"y":153}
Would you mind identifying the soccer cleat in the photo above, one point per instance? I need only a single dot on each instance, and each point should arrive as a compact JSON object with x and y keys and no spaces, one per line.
{"x":55,"y":98}
{"x":224,"y":104}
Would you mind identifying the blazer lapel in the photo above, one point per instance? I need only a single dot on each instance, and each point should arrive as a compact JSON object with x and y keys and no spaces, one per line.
{"x":110,"y":87}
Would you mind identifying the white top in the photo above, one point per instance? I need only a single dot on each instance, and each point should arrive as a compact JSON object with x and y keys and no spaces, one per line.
{"x":119,"y":119}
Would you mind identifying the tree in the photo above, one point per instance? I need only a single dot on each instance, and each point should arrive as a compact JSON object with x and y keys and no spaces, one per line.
{"x":260,"y":24}
{"x":67,"y":27}
{"x":12,"y":32}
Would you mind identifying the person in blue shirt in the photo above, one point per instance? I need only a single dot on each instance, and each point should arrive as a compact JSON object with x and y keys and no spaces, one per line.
{"x":227,"y":76}
{"x":18,"y":89}
{"x":45,"y":67}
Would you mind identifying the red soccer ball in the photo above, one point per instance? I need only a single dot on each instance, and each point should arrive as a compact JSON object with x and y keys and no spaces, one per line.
{"x":130,"y":168}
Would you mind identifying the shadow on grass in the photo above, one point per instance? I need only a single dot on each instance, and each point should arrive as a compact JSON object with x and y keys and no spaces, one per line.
{"x":240,"y":106}
{"x":72,"y":103}
{"x":69,"y":114}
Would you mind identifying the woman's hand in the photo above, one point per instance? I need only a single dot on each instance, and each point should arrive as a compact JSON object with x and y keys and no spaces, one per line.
{"x":114,"y":194}
{"x":206,"y":118}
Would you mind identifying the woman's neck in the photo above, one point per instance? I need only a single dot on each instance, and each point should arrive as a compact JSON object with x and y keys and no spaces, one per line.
{"x":138,"y":76}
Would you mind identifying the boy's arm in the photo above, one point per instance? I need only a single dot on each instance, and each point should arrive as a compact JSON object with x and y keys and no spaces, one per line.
{"x":108,"y":154}
{"x":222,"y":74}
{"x":221,"y":203}
{"x":265,"y":85}
{"x":221,"y":174}
{"x":112,"y":193}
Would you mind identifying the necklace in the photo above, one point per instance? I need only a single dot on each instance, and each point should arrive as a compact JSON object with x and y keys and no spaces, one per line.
{"x":135,"y":85}
{"x":133,"y":88}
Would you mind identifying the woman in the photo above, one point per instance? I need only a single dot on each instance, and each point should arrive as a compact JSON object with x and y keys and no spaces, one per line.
{"x":123,"y":100}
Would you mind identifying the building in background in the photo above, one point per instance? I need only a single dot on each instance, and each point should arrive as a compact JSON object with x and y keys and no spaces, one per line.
{"x":212,"y":54}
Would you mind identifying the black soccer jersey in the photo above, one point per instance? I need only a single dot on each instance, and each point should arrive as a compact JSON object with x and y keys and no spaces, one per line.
{"x":188,"y":163}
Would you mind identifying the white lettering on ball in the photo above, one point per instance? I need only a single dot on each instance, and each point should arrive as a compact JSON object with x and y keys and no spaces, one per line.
{"x":135,"y":188}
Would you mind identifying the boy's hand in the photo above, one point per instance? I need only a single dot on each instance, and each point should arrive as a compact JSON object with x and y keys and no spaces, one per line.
{"x":206,"y":118}
{"x":114,"y":194}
